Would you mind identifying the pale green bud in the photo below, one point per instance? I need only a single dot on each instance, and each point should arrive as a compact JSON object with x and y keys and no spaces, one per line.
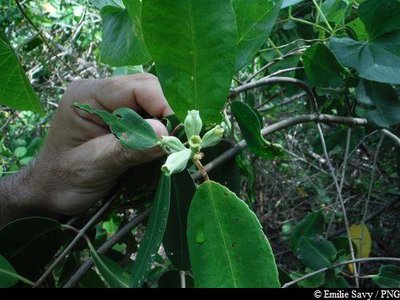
{"x":193,"y":123}
{"x":176,"y":162}
{"x":195,"y":143}
{"x":212,"y":137}
{"x":171,"y":144}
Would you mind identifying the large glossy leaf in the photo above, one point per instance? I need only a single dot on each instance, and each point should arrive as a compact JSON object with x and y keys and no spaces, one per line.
{"x":226,"y":243}
{"x":8,"y":274}
{"x":255,"y":19}
{"x":377,"y":60}
{"x":155,"y":229}
{"x":312,"y":224}
{"x":113,"y":274}
{"x":123,"y":42}
{"x":130,"y":128}
{"x":388,"y":277}
{"x":15,"y":88}
{"x":381,"y":102}
{"x":380,"y":17}
{"x":175,"y":239}
{"x":250,"y":127}
{"x":321,"y":67}
{"x":316,"y":252}
{"x":194,"y":46}
{"x":30,"y":243}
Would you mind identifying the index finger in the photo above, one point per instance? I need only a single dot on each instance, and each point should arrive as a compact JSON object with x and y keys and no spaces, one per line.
{"x":141,"y":92}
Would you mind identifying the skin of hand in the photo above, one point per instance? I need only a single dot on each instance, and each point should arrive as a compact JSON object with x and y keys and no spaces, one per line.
{"x":81,"y":160}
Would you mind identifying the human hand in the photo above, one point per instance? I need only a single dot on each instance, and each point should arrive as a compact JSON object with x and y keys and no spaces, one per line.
{"x":81,"y":160}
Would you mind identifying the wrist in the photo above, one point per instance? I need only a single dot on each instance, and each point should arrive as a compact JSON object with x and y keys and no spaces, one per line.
{"x":20,"y":196}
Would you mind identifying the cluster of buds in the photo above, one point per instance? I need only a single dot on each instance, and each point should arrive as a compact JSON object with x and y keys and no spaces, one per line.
{"x":179,"y":154}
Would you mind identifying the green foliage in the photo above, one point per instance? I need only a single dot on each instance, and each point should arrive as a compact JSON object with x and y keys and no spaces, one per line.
{"x":226,"y":244}
{"x":15,"y":89}
{"x":175,"y":239}
{"x":312,"y":224}
{"x":388,"y":277}
{"x":250,"y":126}
{"x":152,"y":239}
{"x":193,"y":44}
{"x":8,"y":274}
{"x":123,"y":43}
{"x":255,"y":19}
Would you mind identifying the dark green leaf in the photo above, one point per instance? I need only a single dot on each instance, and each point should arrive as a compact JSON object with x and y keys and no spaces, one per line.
{"x":255,"y":19}
{"x":123,"y":42}
{"x":378,"y":60}
{"x":316,"y":252}
{"x":226,"y":243}
{"x":335,"y":11}
{"x":251,"y":129}
{"x":172,"y":279}
{"x":388,"y":277}
{"x":15,"y":88}
{"x":321,"y":67}
{"x":333,"y":281}
{"x":313,"y":223}
{"x":99,"y":4}
{"x":30,"y":243}
{"x":155,"y":228}
{"x":114,"y":276}
{"x":194,"y":46}
{"x":380,"y":17}
{"x":175,"y":239}
{"x":8,"y":274}
{"x":129,"y":127}
{"x":310,"y":282}
{"x":382,"y":103}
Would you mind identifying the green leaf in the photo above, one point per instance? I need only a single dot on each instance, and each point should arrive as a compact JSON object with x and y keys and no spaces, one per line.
{"x":335,"y":11}
{"x":155,"y":229}
{"x":321,"y":67}
{"x":251,"y":129}
{"x":382,"y":102}
{"x":8,"y":275}
{"x":193,"y":44}
{"x":113,"y":275}
{"x":377,"y":60}
{"x":175,"y":239}
{"x":30,"y":243}
{"x":312,"y":224}
{"x":255,"y":19}
{"x":20,"y":152}
{"x":99,"y":4}
{"x":310,"y":282}
{"x":388,"y":277}
{"x":333,"y":281}
{"x":15,"y":88}
{"x":316,"y":252}
{"x":226,"y":243}
{"x":380,"y":17}
{"x":129,"y":127}
{"x":123,"y":42}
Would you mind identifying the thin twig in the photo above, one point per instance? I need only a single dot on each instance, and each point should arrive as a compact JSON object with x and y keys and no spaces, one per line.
{"x":345,"y":219}
{"x":343,"y":263}
{"x":328,"y":119}
{"x":105,"y":247}
{"x":394,"y":137}
{"x":80,"y":234}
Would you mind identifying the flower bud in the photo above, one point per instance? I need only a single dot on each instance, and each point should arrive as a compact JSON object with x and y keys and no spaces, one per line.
{"x":195,"y":143}
{"x":193,"y":123}
{"x":171,"y":144}
{"x":176,"y":162}
{"x":212,"y":137}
